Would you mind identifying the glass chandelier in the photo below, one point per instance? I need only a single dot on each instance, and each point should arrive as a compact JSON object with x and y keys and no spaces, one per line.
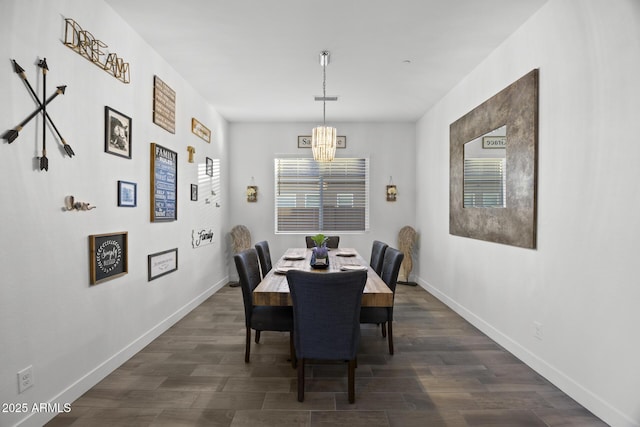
{"x":323,"y":138}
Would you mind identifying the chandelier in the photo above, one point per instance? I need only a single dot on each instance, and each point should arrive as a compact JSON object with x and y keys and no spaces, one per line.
{"x":323,"y":138}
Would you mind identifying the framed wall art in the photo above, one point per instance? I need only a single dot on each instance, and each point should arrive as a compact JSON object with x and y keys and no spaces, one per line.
{"x":164,"y":184}
{"x":108,"y":255}
{"x":305,"y":141}
{"x":209,"y":166}
{"x":117,"y":133}
{"x":127,"y":194}
{"x":194,"y":192}
{"x":162,"y":263}
{"x":200,"y":130}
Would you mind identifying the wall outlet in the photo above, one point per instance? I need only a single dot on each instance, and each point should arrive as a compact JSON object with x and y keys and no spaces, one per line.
{"x":25,"y":379}
{"x":537,"y":330}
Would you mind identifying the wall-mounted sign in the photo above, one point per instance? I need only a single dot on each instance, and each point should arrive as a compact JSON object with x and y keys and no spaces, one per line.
{"x":494,"y":141}
{"x":162,"y":263}
{"x":164,"y":105}
{"x":164,"y":184}
{"x":108,"y":256}
{"x":305,"y":141}
{"x":202,"y":237}
{"x":86,"y":45}
{"x":201,"y":130}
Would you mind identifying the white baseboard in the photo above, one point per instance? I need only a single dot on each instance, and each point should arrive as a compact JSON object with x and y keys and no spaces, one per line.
{"x":572,"y":388}
{"x":82,"y":385}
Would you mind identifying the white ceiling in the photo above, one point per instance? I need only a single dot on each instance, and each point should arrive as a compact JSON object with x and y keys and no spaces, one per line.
{"x":257,"y":60}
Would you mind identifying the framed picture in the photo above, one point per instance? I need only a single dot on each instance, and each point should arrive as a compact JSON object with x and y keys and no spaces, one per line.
{"x":127,"y":194}
{"x":392,"y":193}
{"x":117,"y":133}
{"x":200,"y":130}
{"x":108,"y":255}
{"x":252,"y":193}
{"x":194,"y":192}
{"x":164,"y":184}
{"x":209,"y":166}
{"x":162,"y":263}
{"x":305,"y":141}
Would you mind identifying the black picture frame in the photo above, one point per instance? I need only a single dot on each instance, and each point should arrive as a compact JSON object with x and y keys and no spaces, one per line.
{"x":162,"y":263}
{"x":108,"y":256}
{"x":127,"y":194}
{"x":194,"y":192}
{"x":209,"y":166}
{"x":117,"y":133}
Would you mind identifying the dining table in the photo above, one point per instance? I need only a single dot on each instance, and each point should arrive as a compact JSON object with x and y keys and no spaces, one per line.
{"x":273,"y":290}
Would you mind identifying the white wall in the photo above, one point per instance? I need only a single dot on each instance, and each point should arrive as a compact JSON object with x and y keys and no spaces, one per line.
{"x":72,"y":333}
{"x":581,"y":282}
{"x":389,"y":146}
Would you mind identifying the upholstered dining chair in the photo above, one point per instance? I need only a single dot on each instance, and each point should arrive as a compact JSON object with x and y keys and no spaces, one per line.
{"x":377,"y":255}
{"x":326,"y":313}
{"x":264,"y":255}
{"x":260,"y":318}
{"x":384,"y":315}
{"x":332,"y":242}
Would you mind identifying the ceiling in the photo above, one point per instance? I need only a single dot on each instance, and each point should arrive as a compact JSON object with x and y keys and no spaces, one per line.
{"x":258,"y":60}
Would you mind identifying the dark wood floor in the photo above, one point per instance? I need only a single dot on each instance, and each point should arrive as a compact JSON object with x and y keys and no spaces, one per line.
{"x":444,"y":373}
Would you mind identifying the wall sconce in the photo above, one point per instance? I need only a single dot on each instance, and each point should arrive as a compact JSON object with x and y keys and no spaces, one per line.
{"x":392,"y":191}
{"x":252,"y":192}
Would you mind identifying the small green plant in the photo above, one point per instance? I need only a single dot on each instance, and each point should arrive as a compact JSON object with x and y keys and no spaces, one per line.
{"x":319,"y":239}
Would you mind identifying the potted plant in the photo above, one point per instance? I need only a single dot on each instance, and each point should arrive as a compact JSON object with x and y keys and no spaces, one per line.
{"x":320,"y":254}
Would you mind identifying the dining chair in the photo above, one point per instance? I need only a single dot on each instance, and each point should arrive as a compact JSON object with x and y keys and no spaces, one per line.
{"x":332,"y":242}
{"x":240,"y":241}
{"x":264,"y":255}
{"x":377,"y":255}
{"x":260,"y":318}
{"x":326,"y":313}
{"x":384,"y":315}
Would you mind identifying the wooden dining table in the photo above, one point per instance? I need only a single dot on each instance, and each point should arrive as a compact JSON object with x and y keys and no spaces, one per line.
{"x":274,"y":290}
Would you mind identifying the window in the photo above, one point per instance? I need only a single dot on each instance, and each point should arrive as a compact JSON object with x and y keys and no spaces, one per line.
{"x":484,"y":183}
{"x":329,"y":197}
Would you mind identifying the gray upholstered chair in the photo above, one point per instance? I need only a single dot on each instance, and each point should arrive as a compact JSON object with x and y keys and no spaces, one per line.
{"x":264,"y":255}
{"x":332,"y":242}
{"x":326,"y":311}
{"x":377,"y":255}
{"x":260,"y":318}
{"x":384,"y":315}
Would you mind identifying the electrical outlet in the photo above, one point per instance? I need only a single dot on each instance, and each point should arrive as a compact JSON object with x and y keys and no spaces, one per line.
{"x":25,"y":379}
{"x":537,"y":330}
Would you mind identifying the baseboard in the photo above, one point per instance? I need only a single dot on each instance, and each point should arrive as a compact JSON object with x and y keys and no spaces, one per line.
{"x":572,"y":388}
{"x":85,"y":383}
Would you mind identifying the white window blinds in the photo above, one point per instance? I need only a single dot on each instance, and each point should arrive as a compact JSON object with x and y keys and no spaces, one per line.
{"x":484,"y":183}
{"x":315,"y":196}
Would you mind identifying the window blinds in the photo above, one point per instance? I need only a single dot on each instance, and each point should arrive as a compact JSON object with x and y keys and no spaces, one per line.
{"x":484,"y":183}
{"x":315,"y":196}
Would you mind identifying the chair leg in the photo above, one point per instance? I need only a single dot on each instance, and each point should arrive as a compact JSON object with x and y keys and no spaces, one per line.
{"x":247,"y":350}
{"x":301,"y":380}
{"x":257,"y":337}
{"x":292,"y":352}
{"x":384,"y":329}
{"x":352,"y":377}
{"x":390,"y":337}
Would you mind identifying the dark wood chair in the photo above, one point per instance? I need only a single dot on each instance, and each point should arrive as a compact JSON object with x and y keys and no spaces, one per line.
{"x":384,"y":315}
{"x":377,"y":255}
{"x":260,"y":318}
{"x":326,"y":311}
{"x":264,"y":255}
{"x":332,"y":242}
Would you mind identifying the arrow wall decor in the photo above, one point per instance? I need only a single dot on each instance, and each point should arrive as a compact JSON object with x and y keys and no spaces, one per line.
{"x":12,"y":134}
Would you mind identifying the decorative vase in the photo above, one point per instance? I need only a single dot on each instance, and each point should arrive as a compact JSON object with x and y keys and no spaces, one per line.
{"x":320,"y":257}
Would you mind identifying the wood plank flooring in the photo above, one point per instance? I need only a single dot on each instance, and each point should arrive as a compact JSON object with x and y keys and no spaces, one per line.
{"x":444,"y":373}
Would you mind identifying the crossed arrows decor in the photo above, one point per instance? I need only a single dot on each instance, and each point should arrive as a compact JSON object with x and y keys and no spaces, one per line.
{"x":12,"y":134}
